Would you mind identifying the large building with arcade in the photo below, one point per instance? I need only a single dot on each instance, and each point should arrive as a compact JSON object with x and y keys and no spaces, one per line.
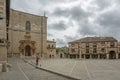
{"x":95,"y":48}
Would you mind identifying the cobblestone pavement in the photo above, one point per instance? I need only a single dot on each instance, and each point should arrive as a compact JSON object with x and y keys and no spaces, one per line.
{"x":85,"y":69}
{"x":23,"y":71}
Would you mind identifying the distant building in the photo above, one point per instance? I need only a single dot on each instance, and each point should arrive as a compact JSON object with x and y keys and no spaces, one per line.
{"x":51,"y":49}
{"x":119,"y":50}
{"x":74,"y":51}
{"x":95,"y":48}
{"x":62,"y":52}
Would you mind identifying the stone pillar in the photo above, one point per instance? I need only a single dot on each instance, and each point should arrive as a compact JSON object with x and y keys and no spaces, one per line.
{"x":107,"y":55}
{"x":84,"y":56}
{"x":90,"y":56}
{"x":80,"y":56}
{"x":116,"y":55}
{"x":98,"y":56}
{"x":4,"y":66}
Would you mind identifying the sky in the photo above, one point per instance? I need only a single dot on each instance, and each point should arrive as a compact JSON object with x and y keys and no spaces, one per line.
{"x":69,"y":20}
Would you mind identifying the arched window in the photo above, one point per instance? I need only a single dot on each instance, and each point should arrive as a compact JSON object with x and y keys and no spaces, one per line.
{"x":28,"y":26}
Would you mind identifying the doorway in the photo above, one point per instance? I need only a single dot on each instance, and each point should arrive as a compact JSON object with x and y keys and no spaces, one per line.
{"x":87,"y":56}
{"x":61,"y":56}
{"x":27,"y":51}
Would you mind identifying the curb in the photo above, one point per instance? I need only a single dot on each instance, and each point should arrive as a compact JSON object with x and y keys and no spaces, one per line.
{"x":67,"y":76}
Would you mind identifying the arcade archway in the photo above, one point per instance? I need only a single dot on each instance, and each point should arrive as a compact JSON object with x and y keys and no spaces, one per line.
{"x":112,"y":55}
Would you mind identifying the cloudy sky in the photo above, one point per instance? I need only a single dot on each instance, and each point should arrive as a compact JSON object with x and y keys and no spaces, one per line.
{"x":69,"y":20}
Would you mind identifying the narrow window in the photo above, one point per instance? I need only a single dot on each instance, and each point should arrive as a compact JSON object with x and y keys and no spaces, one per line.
{"x":28,"y":26}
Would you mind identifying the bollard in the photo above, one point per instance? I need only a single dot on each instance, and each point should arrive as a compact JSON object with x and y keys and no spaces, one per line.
{"x":4,"y":67}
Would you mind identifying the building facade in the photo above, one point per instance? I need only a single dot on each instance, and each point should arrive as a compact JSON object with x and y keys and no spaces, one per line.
{"x":51,"y":49}
{"x":95,"y":48}
{"x":62,"y":52}
{"x":3,"y":25}
{"x":27,"y":34}
{"x":73,"y":49}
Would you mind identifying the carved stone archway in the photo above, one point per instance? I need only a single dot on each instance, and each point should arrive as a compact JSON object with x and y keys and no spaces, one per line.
{"x":27,"y":46}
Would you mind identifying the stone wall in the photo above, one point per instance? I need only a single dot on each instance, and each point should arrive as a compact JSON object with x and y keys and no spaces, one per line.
{"x":3,"y":49}
{"x":17,"y":30}
{"x":51,"y":49}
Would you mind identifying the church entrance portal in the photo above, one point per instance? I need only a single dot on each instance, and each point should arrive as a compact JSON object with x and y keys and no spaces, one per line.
{"x":27,"y":51}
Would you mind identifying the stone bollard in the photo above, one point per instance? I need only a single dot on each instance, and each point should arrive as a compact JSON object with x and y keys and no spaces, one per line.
{"x":4,"y":67}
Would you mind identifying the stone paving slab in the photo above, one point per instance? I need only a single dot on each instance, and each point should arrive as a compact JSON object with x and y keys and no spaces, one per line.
{"x":23,"y":71}
{"x":54,"y":72}
{"x":84,"y":69}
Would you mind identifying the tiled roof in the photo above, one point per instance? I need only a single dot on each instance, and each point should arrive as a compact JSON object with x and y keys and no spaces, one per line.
{"x":94,"y":39}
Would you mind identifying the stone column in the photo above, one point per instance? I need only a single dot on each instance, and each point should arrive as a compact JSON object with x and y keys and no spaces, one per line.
{"x":90,"y":56}
{"x":4,"y":66}
{"x":80,"y":56}
{"x":84,"y":56}
{"x":98,"y":56}
{"x":107,"y":55}
{"x":116,"y":55}
{"x":77,"y":56}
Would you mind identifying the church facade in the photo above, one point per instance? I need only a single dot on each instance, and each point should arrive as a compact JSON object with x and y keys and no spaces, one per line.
{"x":27,"y":34}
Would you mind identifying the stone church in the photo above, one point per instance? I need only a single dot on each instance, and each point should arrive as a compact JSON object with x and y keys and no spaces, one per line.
{"x":27,"y":34}
{"x":24,"y":34}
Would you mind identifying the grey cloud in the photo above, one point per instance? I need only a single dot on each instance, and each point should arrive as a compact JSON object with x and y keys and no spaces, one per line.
{"x":47,"y":2}
{"x":50,"y":34}
{"x":75,"y":13}
{"x":61,"y":12}
{"x":60,"y":42}
{"x":85,"y":29}
{"x":80,"y":17}
{"x":71,"y":38}
{"x":58,"y":26}
{"x":110,"y":22}
{"x":113,"y":32}
{"x":102,"y":4}
{"x":21,"y":5}
{"x":110,"y":19}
